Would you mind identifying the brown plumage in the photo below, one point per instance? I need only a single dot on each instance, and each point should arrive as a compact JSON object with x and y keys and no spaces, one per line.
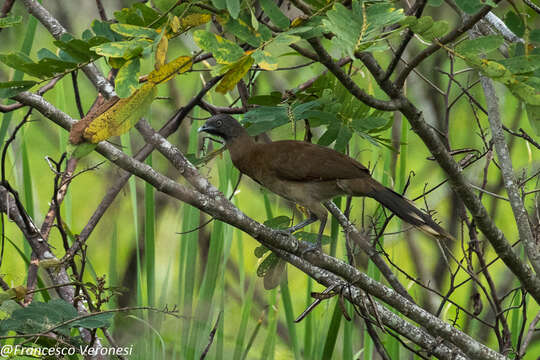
{"x":309,"y":174}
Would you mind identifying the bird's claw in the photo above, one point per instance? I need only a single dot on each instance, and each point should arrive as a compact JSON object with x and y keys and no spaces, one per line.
{"x":285,"y":232}
{"x":311,"y":247}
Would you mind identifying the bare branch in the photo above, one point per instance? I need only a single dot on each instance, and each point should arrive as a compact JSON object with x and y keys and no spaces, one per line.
{"x":507,"y":171}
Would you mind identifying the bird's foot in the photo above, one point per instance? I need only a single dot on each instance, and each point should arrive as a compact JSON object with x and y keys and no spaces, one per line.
{"x":285,"y":232}
{"x":311,"y":247}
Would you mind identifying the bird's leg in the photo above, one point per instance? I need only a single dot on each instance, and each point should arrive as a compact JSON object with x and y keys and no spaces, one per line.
{"x":318,"y":245}
{"x":301,"y":225}
{"x":321,"y":231}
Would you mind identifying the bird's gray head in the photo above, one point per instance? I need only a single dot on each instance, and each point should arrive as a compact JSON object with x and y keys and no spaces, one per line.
{"x":224,"y":126}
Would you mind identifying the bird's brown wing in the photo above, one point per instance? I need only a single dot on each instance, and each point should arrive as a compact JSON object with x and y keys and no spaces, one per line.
{"x":302,"y":161}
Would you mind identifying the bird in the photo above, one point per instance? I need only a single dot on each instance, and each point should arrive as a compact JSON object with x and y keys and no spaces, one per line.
{"x":309,"y":175}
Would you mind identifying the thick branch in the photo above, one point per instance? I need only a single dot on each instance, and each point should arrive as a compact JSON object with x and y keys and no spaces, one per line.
{"x":507,"y":172}
{"x":349,"y":84}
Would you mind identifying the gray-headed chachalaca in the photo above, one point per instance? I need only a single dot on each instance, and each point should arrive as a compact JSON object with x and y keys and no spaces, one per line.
{"x":309,"y":174}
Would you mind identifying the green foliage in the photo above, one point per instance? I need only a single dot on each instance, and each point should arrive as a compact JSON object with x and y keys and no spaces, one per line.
{"x":123,"y":49}
{"x":134,"y":31}
{"x":233,"y":6}
{"x":223,"y":50}
{"x":358,"y":29}
{"x":9,"y":21}
{"x":12,"y":88}
{"x":515,"y":23}
{"x":472,"y":6}
{"x":274,"y":13}
{"x":127,"y":79}
{"x":39,"y":317}
{"x":481,"y":45}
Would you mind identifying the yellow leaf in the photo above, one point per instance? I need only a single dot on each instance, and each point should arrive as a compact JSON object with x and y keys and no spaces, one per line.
{"x":175,"y":24}
{"x":298,"y":21}
{"x":195,"y":20}
{"x":161,"y":51}
{"x":235,"y":74}
{"x":180,"y":64}
{"x":121,"y":117}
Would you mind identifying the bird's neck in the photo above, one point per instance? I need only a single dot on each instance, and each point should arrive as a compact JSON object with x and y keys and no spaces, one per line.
{"x":239,"y":146}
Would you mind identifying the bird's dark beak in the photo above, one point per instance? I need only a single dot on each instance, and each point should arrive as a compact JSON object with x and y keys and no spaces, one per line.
{"x":204,"y":128}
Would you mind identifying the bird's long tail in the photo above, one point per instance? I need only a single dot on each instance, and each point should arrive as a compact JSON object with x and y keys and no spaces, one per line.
{"x":407,"y":211}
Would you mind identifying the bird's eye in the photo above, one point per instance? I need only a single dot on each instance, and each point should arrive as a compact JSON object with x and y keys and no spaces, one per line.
{"x":219,"y":123}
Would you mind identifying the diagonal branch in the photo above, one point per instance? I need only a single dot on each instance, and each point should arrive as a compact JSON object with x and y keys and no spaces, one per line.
{"x":507,"y":172}
{"x":346,"y":80}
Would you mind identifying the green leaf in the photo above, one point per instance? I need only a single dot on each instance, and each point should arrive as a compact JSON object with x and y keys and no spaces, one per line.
{"x":267,"y":265}
{"x":525,"y":92}
{"x":286,"y":39}
{"x":470,"y":6}
{"x":260,"y":251}
{"x":533,"y":113}
{"x":134,"y":31}
{"x":46,"y":53}
{"x":102,"y":28}
{"x":9,"y":21}
{"x":422,"y":24}
{"x":139,"y":14}
{"x":39,"y":317}
{"x":242,"y":31}
{"x":279,"y":222}
{"x":123,"y":49}
{"x":234,"y":74}
{"x":223,"y":50}
{"x":534,"y":35}
{"x":219,"y":4}
{"x":274,"y":13}
{"x":522,"y":64}
{"x":343,"y":138}
{"x":270,"y":100}
{"x":383,"y":14}
{"x":369,"y":123}
{"x":127,"y":79}
{"x":436,"y":31}
{"x":80,"y":150}
{"x":514,"y":23}
{"x":330,"y":134}
{"x":94,"y":322}
{"x":79,"y":50}
{"x":265,"y":60}
{"x":12,"y":88}
{"x":234,"y":7}
{"x":43,"y":69}
{"x":481,"y":45}
{"x":265,"y":118}
{"x":344,"y":25}
{"x":311,"y":237}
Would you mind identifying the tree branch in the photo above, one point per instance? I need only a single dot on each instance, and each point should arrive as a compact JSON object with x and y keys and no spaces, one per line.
{"x":349,"y":84}
{"x":507,"y":172}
